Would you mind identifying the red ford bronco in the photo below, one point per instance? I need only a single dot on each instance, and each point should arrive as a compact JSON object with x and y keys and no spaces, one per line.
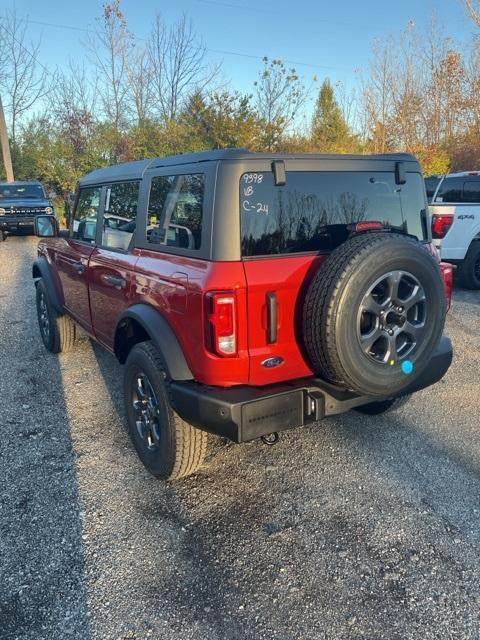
{"x":248,"y":293}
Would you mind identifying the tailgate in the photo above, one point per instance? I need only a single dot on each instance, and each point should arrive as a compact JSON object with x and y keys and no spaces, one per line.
{"x":276,"y":287}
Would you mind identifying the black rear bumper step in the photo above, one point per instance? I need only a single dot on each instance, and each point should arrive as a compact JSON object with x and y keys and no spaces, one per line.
{"x":245,"y":413}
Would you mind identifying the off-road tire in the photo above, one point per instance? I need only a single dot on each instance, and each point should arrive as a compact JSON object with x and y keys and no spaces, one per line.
{"x":181,"y":447}
{"x":332,"y":306}
{"x":61,"y":333}
{"x":383,"y":406}
{"x":469,"y":268}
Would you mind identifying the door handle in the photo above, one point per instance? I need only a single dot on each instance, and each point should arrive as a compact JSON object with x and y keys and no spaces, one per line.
{"x":79,"y":267}
{"x":272,"y":318}
{"x":117,"y":281}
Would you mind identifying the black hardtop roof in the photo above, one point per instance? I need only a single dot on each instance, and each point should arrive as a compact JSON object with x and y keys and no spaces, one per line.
{"x":135,"y":170}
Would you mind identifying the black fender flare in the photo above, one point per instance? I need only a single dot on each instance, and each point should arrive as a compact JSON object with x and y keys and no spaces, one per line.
{"x":162,"y":335}
{"x":42,"y":269}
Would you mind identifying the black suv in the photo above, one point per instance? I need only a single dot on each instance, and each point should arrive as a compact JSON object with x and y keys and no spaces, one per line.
{"x":20,"y":203}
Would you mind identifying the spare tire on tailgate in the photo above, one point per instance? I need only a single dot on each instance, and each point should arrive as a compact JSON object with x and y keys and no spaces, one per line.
{"x":374,"y":313}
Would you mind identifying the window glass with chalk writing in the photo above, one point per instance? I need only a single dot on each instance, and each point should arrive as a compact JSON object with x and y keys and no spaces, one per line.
{"x":312,"y":210}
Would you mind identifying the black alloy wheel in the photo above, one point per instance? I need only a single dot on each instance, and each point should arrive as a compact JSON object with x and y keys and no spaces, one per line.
{"x":391,"y":317}
{"x":43,"y":317}
{"x":146,"y":410}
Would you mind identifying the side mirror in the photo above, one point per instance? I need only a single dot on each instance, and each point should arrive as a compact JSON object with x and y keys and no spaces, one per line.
{"x":52,"y":195}
{"x":46,"y":226}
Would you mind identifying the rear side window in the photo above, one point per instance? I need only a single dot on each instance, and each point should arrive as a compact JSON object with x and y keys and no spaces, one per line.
{"x":85,"y":219}
{"x":120,"y":214}
{"x":175,"y":211}
{"x":471,"y":191}
{"x":459,"y":190}
{"x":312,"y":211}
{"x":431,"y":184}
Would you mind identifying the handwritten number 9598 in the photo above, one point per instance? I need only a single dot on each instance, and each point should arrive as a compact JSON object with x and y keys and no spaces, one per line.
{"x":250,"y":178}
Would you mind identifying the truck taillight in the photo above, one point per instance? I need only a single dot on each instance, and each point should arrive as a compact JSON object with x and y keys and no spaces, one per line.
{"x":222,"y":323}
{"x":441,"y":223}
{"x":447,"y":273}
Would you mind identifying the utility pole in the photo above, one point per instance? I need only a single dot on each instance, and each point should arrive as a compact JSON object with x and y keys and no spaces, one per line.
{"x":7,"y":159}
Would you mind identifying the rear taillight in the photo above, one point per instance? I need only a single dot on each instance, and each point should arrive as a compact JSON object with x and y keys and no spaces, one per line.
{"x":441,"y":223}
{"x":221,"y":323}
{"x":447,"y":273}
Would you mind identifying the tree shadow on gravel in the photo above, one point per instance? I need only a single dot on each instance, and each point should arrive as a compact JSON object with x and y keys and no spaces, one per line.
{"x":257,"y":538}
{"x":42,"y":591}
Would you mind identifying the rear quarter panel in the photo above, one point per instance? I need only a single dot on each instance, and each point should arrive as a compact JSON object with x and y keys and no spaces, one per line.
{"x":178,"y":295}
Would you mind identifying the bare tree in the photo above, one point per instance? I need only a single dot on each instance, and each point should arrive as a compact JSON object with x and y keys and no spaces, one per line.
{"x":407,"y":92}
{"x":378,"y":96}
{"x":279,"y":92}
{"x":473,"y":8}
{"x":73,"y":92}
{"x":108,"y":49}
{"x":347,"y":98}
{"x":178,"y":65}
{"x":23,"y":79}
{"x":73,"y":105}
{"x":139,"y":75}
{"x":473,"y":75}
{"x":431,"y":55}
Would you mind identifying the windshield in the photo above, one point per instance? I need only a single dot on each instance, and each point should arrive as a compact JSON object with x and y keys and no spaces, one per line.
{"x":312,"y":211}
{"x":431,"y":184}
{"x":20,"y":191}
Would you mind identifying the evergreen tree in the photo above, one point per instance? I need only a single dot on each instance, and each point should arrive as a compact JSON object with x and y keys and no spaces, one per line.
{"x":330,"y":131}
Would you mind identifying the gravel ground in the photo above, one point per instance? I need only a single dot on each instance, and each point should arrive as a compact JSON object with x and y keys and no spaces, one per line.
{"x":358,"y":527}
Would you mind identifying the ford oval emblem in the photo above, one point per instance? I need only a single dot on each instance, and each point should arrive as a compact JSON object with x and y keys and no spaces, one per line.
{"x":272,"y":362}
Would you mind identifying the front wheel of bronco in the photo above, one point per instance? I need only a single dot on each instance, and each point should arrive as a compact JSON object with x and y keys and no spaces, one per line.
{"x":58,"y":332}
{"x":169,"y":447}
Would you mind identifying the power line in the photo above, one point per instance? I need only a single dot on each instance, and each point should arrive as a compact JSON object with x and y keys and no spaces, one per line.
{"x":298,"y":64}
{"x":220,"y":51}
{"x":233,"y":6}
{"x":60,"y":26}
{"x":12,"y":35}
{"x":329,"y":21}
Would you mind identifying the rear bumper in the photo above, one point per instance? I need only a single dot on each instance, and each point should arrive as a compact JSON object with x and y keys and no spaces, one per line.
{"x":16,"y":223}
{"x":245,"y":413}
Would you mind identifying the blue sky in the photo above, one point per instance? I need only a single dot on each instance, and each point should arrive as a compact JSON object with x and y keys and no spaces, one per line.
{"x":332,"y":39}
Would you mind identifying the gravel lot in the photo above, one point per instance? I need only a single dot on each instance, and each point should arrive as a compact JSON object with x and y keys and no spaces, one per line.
{"x":358,"y":527}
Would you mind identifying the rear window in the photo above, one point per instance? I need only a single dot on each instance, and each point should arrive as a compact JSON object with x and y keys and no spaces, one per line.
{"x":459,"y":190}
{"x":312,"y":211}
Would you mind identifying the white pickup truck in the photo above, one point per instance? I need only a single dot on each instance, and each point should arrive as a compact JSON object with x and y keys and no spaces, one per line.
{"x":455,"y":217}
